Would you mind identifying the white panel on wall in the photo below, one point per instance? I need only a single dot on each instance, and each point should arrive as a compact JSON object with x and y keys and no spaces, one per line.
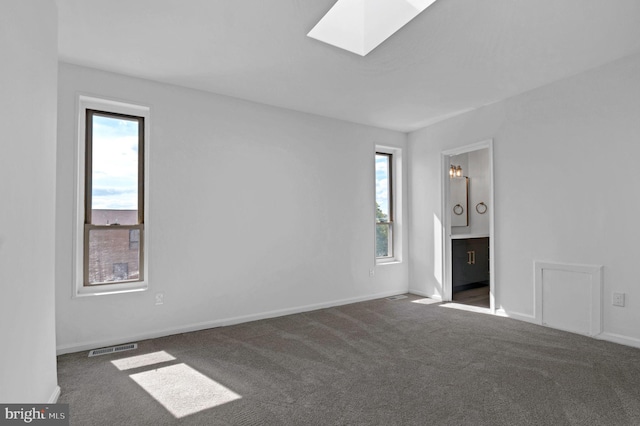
{"x":569,"y":297}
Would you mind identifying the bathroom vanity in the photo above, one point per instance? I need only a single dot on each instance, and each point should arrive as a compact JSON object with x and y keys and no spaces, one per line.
{"x":470,"y":262}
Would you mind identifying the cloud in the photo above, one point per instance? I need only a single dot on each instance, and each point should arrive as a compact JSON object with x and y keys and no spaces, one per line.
{"x":382,"y":194}
{"x":382,"y":183}
{"x":112,"y":127}
{"x":102,"y":192}
{"x":125,"y":201}
{"x":381,"y":167}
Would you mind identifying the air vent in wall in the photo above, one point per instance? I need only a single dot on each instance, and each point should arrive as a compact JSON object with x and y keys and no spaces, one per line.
{"x":399,"y":296}
{"x":113,"y":349}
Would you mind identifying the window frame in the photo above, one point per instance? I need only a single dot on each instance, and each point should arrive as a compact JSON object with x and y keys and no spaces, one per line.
{"x":395,"y":205}
{"x":88,"y":107}
{"x":88,"y":196}
{"x":390,"y":220}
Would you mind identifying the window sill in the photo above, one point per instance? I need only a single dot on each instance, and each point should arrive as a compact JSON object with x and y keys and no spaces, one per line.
{"x":102,"y":290}
{"x":390,"y":261}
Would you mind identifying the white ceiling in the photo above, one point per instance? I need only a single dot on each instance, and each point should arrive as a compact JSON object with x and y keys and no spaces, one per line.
{"x":455,"y":56}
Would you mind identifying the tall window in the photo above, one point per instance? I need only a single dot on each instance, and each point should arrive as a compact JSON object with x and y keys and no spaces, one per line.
{"x":113,"y":198}
{"x":384,"y":205}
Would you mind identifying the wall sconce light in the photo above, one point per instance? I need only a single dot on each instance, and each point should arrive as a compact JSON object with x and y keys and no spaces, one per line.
{"x":455,"y":171}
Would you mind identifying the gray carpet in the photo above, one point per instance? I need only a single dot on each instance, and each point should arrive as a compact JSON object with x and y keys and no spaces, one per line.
{"x":380,"y":362}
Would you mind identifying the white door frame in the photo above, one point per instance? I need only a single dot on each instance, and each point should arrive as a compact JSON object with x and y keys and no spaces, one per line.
{"x":447,"y":291}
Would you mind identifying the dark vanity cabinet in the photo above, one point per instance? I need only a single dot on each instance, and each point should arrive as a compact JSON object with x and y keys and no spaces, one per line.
{"x":470,"y":263}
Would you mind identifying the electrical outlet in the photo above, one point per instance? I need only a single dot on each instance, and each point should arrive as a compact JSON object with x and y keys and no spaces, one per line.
{"x":618,"y":299}
{"x":159,"y":298}
{"x":372,"y":272}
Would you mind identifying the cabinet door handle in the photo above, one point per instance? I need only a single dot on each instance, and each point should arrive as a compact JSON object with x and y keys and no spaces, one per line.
{"x":471,"y":257}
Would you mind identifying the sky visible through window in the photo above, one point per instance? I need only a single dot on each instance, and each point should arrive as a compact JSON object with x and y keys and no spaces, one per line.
{"x":382,"y":183}
{"x":115,"y":164}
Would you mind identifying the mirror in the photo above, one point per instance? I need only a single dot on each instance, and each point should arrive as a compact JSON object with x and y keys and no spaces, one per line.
{"x":458,"y":191}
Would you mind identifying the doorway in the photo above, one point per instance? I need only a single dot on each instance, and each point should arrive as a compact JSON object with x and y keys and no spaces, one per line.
{"x":467,"y":216}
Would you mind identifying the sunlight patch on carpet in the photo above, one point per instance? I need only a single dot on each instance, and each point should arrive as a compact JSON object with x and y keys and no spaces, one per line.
{"x":468,"y":308}
{"x":142,"y":360}
{"x":183,"y":390}
{"x":426,"y":301}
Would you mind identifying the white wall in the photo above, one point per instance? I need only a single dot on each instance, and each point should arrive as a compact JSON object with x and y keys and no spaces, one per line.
{"x":29,"y":51}
{"x":254,"y":211}
{"x":566,"y":187}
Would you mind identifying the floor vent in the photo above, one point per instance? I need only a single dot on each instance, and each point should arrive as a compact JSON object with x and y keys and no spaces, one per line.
{"x":399,"y":296}
{"x":113,"y":349}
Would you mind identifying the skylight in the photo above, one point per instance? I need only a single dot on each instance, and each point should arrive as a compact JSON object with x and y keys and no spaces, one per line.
{"x":359,"y":26}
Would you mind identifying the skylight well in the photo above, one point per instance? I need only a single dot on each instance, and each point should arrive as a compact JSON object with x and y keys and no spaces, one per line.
{"x":359,"y":26}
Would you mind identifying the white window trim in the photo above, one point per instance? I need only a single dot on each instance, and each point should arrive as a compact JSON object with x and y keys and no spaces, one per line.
{"x":101,"y":104}
{"x":396,"y":182}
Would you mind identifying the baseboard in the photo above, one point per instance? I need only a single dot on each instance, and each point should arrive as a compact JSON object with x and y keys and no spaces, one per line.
{"x":423,"y":294}
{"x":516,"y":315}
{"x":620,"y":339}
{"x":609,"y":337}
{"x":54,"y":396}
{"x":78,"y":347}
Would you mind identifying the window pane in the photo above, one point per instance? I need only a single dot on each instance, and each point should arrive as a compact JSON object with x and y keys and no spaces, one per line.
{"x":111,"y":257}
{"x":383,"y":211}
{"x":383,"y":240}
{"x":114,"y":171}
{"x":134,"y":239}
{"x":120,"y":271}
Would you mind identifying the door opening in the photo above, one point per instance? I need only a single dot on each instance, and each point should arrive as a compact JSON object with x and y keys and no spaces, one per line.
{"x":467,"y":214}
